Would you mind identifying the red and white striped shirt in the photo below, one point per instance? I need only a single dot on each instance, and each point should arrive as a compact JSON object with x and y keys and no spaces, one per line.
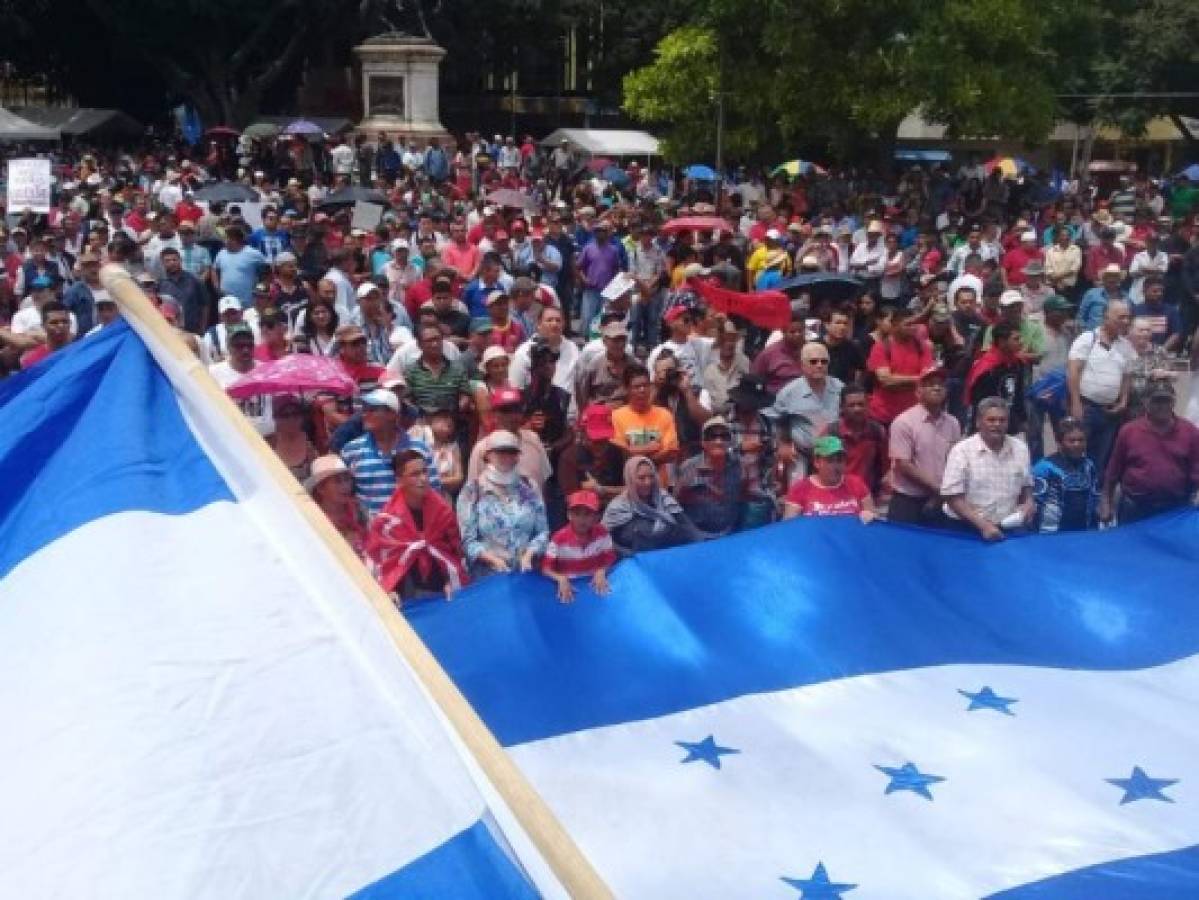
{"x":571,"y":555}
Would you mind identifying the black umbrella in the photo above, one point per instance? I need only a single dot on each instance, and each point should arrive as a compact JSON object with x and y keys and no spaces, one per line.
{"x":822,"y":286}
{"x":351,"y":194}
{"x":227,"y":192}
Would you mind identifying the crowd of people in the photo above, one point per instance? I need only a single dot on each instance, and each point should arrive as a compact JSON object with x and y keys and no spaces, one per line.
{"x":551,"y":371}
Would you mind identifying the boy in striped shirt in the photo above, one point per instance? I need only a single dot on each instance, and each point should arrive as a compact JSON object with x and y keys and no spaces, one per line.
{"x":580,"y":548}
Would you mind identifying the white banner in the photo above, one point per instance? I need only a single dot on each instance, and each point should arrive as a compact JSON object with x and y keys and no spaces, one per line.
{"x":29,"y":185}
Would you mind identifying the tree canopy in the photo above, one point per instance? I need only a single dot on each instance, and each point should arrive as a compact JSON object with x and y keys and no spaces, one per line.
{"x":847,"y":71}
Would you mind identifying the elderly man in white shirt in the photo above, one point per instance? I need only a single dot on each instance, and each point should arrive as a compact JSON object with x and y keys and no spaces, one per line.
{"x":869,"y":258}
{"x":987,"y":483}
{"x":1150,"y":261}
{"x":1099,"y":377}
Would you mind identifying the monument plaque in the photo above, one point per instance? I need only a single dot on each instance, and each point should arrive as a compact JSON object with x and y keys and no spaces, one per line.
{"x":400,"y":86}
{"x":385,"y":96}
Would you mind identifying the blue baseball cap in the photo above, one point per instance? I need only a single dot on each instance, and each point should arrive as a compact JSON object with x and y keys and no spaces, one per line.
{"x":41,"y":283}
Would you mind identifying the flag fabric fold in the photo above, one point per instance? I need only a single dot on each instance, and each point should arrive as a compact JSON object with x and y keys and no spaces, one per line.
{"x":198,"y":700}
{"x":821,"y":708}
{"x":766,"y":309}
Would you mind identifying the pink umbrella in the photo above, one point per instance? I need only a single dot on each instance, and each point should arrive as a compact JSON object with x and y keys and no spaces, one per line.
{"x":293,"y":374}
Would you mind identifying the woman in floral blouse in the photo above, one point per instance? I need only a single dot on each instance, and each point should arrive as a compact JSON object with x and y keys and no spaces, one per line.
{"x":501,"y":514}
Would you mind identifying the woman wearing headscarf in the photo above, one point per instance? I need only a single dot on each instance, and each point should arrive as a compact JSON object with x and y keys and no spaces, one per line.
{"x":644,"y":516}
{"x":501,"y":514}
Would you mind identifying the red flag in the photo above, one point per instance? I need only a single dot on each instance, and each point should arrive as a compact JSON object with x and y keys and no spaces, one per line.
{"x":766,"y":309}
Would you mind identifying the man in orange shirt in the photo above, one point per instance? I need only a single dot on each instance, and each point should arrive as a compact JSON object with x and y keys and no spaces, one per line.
{"x":460,"y":256}
{"x":641,"y":428}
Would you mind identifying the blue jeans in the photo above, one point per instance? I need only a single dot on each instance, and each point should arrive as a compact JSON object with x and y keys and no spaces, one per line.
{"x":1101,"y":430}
{"x":589,"y":308}
{"x":645,"y":321}
{"x":1036,"y":429}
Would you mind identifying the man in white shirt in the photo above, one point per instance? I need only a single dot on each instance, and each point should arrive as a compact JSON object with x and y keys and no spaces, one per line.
{"x":1098,"y":377}
{"x":170,"y":194}
{"x":988,"y":478}
{"x":869,"y":258}
{"x":241,"y":361}
{"x":551,"y":327}
{"x":28,"y":318}
{"x":341,"y":261}
{"x":1150,"y":261}
{"x":343,"y":158}
{"x":167,"y":236}
{"x":974,"y":246}
{"x":693,"y":352}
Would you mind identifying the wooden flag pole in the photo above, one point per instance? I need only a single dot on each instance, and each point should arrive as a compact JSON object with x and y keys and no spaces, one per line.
{"x":561,"y":853}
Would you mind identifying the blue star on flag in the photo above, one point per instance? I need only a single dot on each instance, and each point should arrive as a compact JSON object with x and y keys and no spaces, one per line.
{"x":706,"y":750}
{"x":818,"y":887}
{"x":908,"y":778}
{"x":988,"y":699}
{"x":1139,"y":786}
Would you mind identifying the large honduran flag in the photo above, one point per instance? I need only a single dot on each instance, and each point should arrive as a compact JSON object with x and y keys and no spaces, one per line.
{"x":196,"y":699}
{"x":821,"y":709}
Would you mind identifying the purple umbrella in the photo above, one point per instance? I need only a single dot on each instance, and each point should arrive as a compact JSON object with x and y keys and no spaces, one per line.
{"x":303,"y":126}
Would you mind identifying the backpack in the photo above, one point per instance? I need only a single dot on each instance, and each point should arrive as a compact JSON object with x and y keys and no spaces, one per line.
{"x":1049,"y":393}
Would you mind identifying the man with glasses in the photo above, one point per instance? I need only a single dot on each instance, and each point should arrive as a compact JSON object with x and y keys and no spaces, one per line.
{"x":241,"y":360}
{"x":369,"y":456}
{"x":354,"y":355}
{"x":806,"y":406}
{"x":433,"y":381}
{"x":711,"y":487}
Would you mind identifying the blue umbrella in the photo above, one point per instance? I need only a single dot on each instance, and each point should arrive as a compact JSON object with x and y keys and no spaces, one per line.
{"x":615,"y":176}
{"x":696,"y":172}
{"x":1191,"y":172}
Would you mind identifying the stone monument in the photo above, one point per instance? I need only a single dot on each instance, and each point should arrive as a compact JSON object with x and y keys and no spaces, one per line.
{"x":400,"y":87}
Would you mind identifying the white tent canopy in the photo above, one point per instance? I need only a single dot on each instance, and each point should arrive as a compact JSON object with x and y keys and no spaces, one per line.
{"x":14,"y":128}
{"x":604,"y":142}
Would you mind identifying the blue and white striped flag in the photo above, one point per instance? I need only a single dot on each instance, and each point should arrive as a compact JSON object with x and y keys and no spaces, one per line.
{"x":196,"y":698}
{"x":823,"y":709}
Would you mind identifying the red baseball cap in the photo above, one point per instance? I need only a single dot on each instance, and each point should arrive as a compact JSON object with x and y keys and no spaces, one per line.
{"x":585,"y":499}
{"x":597,"y":422}
{"x":506,"y":396}
{"x":537,"y":234}
{"x":675,"y":313}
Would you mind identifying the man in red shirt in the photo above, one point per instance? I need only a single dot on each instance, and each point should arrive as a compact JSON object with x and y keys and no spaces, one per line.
{"x":865,"y":440}
{"x":352,"y":352}
{"x":897,"y":362}
{"x":779,"y":364}
{"x":1155,"y":462}
{"x":187,"y":210}
{"x":1020,"y":256}
{"x":56,"y":322}
{"x":1102,"y":255}
{"x":830,"y":491}
{"x":459,"y":256}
